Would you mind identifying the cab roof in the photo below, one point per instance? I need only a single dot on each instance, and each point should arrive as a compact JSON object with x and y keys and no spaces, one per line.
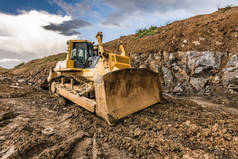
{"x":80,"y":41}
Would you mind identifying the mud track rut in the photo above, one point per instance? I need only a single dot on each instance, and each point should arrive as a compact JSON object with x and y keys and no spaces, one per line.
{"x":26,"y":116}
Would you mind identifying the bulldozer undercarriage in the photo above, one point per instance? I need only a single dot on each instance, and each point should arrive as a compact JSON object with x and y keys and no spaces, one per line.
{"x":76,"y":83}
{"x":75,"y":88}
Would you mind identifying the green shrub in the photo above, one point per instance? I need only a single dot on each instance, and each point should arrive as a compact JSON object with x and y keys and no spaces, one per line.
{"x":228,"y":7}
{"x":19,"y":65}
{"x":146,"y":32}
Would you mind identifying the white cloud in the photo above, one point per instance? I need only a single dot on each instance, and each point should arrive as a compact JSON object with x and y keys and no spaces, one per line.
{"x":25,"y":37}
{"x":9,"y":60}
{"x":125,"y":9}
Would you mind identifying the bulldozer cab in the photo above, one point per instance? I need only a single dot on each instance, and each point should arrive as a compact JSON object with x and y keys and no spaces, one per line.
{"x":83,"y":55}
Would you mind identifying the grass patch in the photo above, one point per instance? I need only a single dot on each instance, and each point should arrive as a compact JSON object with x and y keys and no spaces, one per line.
{"x":19,"y":65}
{"x":228,"y":7}
{"x":146,"y":32}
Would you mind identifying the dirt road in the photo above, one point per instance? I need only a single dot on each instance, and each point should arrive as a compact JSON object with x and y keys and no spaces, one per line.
{"x":34,"y":124}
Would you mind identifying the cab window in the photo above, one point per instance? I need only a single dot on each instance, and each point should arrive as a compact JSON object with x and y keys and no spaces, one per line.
{"x":79,"y":52}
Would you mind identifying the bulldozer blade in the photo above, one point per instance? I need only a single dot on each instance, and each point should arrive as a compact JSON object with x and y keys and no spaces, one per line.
{"x":124,"y":92}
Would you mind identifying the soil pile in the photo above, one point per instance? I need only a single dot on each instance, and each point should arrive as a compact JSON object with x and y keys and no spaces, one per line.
{"x":212,"y":32}
{"x":36,"y":71}
{"x":2,"y":69}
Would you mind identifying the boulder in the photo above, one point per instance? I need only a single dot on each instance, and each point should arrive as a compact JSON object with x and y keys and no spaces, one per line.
{"x":230,"y":73}
{"x":198,"y":83}
{"x":203,"y":63}
{"x":169,"y":79}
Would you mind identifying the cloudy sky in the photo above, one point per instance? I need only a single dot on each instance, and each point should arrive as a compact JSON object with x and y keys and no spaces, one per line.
{"x":32,"y":29}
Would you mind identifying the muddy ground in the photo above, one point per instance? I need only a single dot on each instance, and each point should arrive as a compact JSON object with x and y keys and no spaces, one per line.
{"x":35,"y":124}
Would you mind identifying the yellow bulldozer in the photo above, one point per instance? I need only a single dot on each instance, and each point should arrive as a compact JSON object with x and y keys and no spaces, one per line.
{"x":103,"y":82}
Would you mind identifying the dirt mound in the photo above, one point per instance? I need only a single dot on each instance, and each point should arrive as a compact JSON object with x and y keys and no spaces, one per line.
{"x":36,"y":71}
{"x":212,"y":32}
{"x":2,"y":69}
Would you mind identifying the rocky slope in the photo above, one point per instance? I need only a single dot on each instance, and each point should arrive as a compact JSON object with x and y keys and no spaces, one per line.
{"x":217,"y":32}
{"x":36,"y":71}
{"x":193,"y":55}
{"x":2,"y":69}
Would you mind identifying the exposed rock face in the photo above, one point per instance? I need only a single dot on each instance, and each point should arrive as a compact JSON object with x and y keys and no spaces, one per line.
{"x":192,"y":71}
{"x":230,"y":72}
